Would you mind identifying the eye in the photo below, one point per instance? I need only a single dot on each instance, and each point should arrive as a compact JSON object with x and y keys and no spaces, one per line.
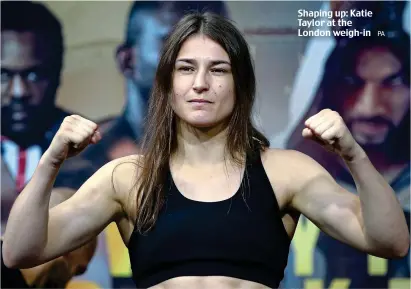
{"x":5,"y":76}
{"x":33,"y":76}
{"x":185,"y":69}
{"x":352,"y":80}
{"x":219,"y":70}
{"x":396,"y":81}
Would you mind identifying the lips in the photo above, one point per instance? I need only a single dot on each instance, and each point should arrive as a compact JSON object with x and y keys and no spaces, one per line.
{"x":199,"y":101}
{"x":19,"y":115}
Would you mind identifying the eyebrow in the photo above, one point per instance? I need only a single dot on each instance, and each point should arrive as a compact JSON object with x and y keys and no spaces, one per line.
{"x":193,"y":61}
{"x":25,"y":70}
{"x":394,"y":75}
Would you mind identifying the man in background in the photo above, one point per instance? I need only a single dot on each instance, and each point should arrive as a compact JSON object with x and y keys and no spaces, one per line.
{"x":367,"y":81}
{"x":31,"y":62}
{"x":32,"y":51}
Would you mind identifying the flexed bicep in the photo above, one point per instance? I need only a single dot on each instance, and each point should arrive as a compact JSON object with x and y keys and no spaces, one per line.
{"x":73,"y":222}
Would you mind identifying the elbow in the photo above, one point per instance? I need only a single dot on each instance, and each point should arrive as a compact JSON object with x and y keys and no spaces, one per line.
{"x":402,"y":248}
{"x":14,"y":259}
{"x":393,"y":248}
{"x":9,"y":259}
{"x":397,"y":250}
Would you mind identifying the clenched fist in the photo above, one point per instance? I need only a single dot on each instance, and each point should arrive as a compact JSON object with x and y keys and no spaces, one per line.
{"x":73,"y":136}
{"x":329,"y":129}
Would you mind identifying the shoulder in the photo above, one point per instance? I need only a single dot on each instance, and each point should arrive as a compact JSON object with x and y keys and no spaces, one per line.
{"x":120,"y":174}
{"x":288,"y":158}
{"x":297,"y":167}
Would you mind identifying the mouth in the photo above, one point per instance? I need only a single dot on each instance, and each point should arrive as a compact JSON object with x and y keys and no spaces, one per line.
{"x":19,"y":116}
{"x":199,"y":101}
{"x":370,"y":127}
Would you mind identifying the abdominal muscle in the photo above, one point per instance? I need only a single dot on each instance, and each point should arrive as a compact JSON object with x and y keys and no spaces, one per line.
{"x":201,"y":282}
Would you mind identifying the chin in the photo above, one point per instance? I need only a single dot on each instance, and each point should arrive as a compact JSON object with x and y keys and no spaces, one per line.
{"x":199,"y":120}
{"x":202,"y":124}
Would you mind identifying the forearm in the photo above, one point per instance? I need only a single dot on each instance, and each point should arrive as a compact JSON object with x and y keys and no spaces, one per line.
{"x":27,"y":226}
{"x":384,"y":221}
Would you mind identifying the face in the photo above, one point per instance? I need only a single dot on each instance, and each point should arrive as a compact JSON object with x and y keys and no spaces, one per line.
{"x":381,"y":100}
{"x":203,"y":84}
{"x":153,"y":27}
{"x":25,"y":82}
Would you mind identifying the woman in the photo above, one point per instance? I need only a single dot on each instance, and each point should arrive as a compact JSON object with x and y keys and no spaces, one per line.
{"x":207,"y":205}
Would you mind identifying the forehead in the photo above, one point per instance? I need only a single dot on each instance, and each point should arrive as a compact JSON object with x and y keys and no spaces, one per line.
{"x":201,"y":46}
{"x":377,"y":63}
{"x":21,"y":49}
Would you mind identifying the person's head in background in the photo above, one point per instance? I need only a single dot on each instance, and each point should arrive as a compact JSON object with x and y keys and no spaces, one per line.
{"x":368,"y":82}
{"x":148,"y":24}
{"x":57,"y":273}
{"x":31,"y":63}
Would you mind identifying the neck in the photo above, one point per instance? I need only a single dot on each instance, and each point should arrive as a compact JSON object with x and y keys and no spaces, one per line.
{"x":135,"y":109}
{"x":201,"y":146}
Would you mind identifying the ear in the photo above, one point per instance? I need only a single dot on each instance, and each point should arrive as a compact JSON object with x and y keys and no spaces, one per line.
{"x":125,"y":60}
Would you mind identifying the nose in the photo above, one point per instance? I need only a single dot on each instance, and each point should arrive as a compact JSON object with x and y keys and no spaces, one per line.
{"x":18,"y":88}
{"x":369,"y":100}
{"x":201,"y":82}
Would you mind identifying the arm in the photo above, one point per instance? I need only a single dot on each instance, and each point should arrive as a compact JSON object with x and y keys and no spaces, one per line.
{"x":35,"y":235}
{"x":372,"y":222}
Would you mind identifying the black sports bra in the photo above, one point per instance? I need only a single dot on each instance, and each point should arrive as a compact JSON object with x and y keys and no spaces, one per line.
{"x":241,"y":237}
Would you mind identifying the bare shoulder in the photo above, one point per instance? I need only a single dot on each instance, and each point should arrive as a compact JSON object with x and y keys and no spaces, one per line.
{"x":123,"y":174}
{"x":292,"y":168}
{"x":291,"y":160}
{"x":114,"y":179}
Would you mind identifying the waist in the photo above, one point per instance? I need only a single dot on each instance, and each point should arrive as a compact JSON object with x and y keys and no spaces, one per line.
{"x":206,"y":282}
{"x":204,"y":274}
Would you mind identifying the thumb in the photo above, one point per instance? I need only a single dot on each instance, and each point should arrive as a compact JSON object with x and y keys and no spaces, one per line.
{"x":307,"y":133}
{"x":96,"y":137}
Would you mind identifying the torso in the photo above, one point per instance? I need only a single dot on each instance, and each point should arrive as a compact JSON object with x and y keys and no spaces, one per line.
{"x":199,"y":186}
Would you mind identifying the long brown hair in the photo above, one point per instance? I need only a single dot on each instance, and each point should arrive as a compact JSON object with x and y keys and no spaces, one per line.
{"x":160,"y":139}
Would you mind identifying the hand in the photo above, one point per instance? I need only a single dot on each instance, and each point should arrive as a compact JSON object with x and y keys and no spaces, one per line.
{"x":329,"y":130}
{"x":73,"y":136}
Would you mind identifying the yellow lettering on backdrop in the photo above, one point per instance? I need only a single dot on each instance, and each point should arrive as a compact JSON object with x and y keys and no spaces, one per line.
{"x":117,"y":252}
{"x":304,"y":241}
{"x":337,"y":283}
{"x":376,"y":266}
{"x":399,"y":283}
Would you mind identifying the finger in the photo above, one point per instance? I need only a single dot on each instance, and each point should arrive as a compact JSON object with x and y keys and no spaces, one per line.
{"x":76,"y":139}
{"x":86,"y":129}
{"x":330,"y":135}
{"x":322,"y":127}
{"x":315,"y":122}
{"x":85,"y":121}
{"x":318,"y":115}
{"x":307,"y":133}
{"x":83,"y":137}
{"x":309,"y":120}
{"x":96,"y":137}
